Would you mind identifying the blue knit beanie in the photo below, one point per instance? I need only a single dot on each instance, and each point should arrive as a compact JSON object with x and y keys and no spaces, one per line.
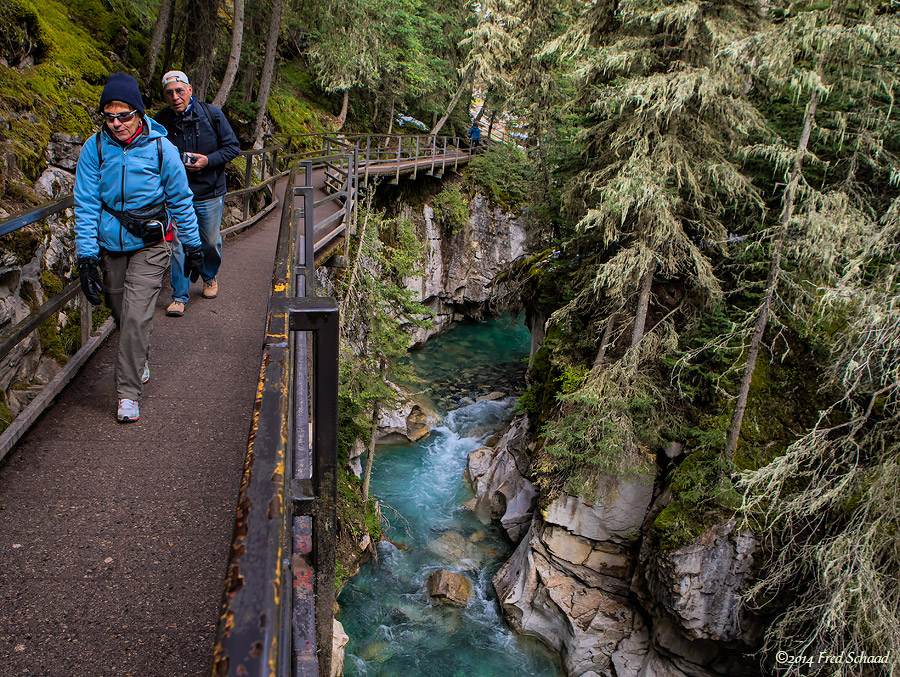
{"x":122,"y":87}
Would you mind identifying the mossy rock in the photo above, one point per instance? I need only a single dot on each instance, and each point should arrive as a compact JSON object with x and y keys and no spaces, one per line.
{"x":51,"y":341}
{"x":62,"y":87}
{"x":702,"y":495}
{"x":23,"y":243}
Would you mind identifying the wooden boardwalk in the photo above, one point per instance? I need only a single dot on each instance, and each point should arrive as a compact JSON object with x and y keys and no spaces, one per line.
{"x":114,"y":538}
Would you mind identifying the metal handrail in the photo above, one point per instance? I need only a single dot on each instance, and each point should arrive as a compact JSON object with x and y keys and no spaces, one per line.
{"x":279,"y":591}
{"x":289,"y":489}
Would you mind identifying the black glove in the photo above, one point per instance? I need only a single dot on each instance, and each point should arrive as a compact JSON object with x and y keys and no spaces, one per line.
{"x":193,"y":262}
{"x":89,"y":274}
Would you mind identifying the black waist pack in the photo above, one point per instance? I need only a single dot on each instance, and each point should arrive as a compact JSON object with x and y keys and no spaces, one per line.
{"x":146,"y":223}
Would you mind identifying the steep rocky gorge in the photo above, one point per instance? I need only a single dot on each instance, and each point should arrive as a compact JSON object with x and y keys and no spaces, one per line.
{"x":460,"y":267}
{"x":589,"y":579}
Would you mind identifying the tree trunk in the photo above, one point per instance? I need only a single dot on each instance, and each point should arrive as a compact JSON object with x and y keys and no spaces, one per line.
{"x":790,"y":191}
{"x":268,"y":71}
{"x":160,"y":28}
{"x":357,"y":263}
{"x":370,"y":456}
{"x":604,"y":342}
{"x":200,"y":44}
{"x":491,"y":125}
{"x":171,"y":35}
{"x":234,"y":57}
{"x":459,"y":92}
{"x":483,"y":106}
{"x":249,"y":82}
{"x":640,"y":315}
{"x":342,"y":118}
{"x":391,"y":119}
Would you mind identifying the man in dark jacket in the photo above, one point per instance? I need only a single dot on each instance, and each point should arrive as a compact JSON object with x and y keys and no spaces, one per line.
{"x":207,"y":143}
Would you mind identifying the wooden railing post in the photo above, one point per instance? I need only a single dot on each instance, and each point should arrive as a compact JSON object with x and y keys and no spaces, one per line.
{"x":87,"y":318}
{"x":248,"y":180}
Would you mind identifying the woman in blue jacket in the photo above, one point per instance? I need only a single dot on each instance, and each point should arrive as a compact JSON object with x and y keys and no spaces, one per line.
{"x":130,"y":185}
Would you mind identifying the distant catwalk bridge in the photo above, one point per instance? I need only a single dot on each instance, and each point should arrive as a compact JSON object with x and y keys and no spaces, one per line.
{"x":121,"y":551}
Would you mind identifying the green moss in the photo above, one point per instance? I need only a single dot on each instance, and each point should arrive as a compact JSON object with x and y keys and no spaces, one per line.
{"x":451,"y":208}
{"x":543,"y":384}
{"x":294,"y":77}
{"x":51,"y":283}
{"x":100,"y":315}
{"x":51,"y":342}
{"x":505,"y":172}
{"x":23,"y":243}
{"x":784,"y":397}
{"x":70,"y":335}
{"x":6,"y":417}
{"x":293,"y":115}
{"x":340,"y":576}
{"x":57,"y":343}
{"x":57,"y":93}
{"x":702,"y":496}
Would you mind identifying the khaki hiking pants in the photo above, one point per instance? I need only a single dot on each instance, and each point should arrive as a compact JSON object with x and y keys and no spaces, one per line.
{"x":131,"y":282}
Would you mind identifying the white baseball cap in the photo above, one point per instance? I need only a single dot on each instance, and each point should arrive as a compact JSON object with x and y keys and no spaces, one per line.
{"x":174,"y":76}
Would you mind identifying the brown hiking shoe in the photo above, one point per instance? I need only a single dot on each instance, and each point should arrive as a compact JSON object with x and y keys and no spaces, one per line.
{"x":175,"y":309}
{"x":210,"y":289}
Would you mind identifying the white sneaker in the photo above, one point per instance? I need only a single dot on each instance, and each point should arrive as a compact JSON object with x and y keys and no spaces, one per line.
{"x":128,"y":411}
{"x":145,"y":375}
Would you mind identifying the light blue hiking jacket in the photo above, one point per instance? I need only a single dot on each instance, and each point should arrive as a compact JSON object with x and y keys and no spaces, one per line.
{"x":129,"y":178}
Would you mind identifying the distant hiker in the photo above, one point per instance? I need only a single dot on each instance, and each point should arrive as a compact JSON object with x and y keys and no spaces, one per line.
{"x":207,"y":143}
{"x":474,"y":137}
{"x":128,"y":183}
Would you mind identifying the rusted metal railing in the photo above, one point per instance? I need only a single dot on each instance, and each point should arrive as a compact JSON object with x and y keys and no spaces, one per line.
{"x":277,"y":609}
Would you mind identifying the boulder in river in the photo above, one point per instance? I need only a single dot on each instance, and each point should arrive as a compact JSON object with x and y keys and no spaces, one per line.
{"x":456,"y":550}
{"x":446,"y":587}
{"x":338,"y":642}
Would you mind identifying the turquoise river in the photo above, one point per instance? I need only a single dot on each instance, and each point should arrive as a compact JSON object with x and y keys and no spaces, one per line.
{"x":394,"y":628}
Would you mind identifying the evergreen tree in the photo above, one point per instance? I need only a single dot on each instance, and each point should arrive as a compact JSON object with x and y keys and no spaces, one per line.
{"x":833,"y":58}
{"x":830,"y":506}
{"x":658,"y":187}
{"x":375,"y":311}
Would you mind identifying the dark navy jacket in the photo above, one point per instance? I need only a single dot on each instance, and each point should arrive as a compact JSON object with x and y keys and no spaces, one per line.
{"x":208,"y":134}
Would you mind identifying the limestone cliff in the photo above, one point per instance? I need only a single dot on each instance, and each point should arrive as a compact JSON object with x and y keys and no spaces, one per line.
{"x":587,"y":582}
{"x":460,"y":267}
{"x":35,"y":262}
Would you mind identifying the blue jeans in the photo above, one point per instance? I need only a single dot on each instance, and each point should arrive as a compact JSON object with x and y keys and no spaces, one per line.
{"x":209,"y":219}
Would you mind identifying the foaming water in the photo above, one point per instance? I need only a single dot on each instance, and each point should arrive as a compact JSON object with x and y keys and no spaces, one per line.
{"x":394,"y":628}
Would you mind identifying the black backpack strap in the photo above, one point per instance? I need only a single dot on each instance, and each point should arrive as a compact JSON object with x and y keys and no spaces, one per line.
{"x":99,"y":149}
{"x":214,"y":119}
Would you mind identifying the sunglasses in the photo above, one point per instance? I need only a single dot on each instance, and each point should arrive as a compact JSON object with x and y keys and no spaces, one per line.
{"x":121,"y":117}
